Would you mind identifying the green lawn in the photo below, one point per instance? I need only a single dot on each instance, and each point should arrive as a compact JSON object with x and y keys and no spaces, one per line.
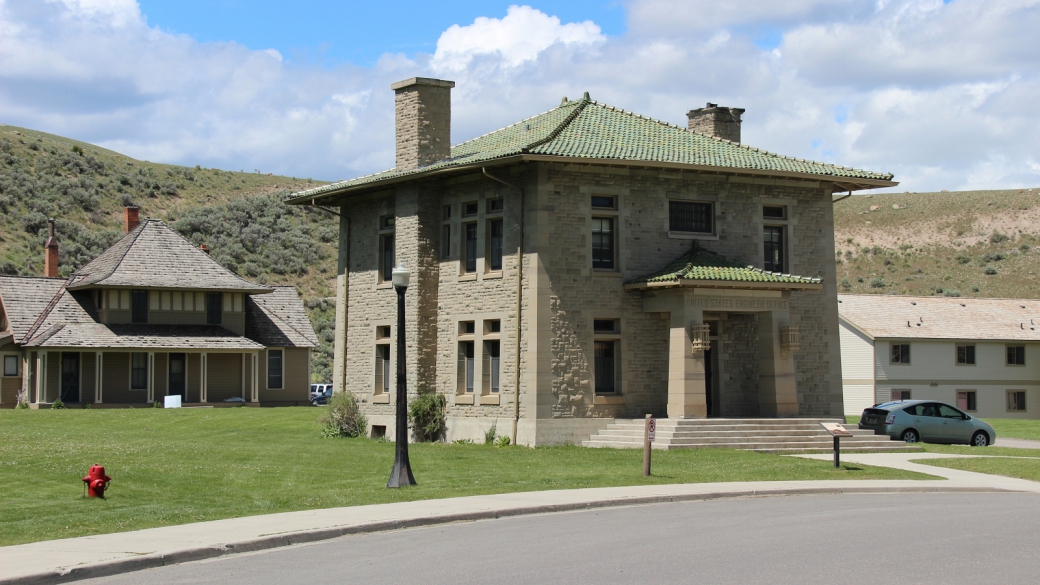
{"x":189,"y":465}
{"x":1010,"y":467}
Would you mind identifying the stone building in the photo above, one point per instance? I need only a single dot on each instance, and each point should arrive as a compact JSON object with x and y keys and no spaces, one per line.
{"x":149,"y":317}
{"x":589,"y":263}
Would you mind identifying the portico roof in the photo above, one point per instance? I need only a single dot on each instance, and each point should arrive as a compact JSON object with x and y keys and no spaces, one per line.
{"x":701,"y":268}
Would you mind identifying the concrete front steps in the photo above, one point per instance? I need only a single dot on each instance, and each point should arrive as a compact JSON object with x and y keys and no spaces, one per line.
{"x":771,"y":435}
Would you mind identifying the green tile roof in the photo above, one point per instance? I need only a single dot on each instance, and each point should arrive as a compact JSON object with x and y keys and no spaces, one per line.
{"x":591,"y":130}
{"x":700,"y":264}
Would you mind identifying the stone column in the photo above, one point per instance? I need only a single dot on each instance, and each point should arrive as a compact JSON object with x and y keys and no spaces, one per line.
{"x":685,"y":369}
{"x":777,"y":395}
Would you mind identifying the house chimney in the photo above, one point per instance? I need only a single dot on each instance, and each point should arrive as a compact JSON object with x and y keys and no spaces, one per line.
{"x":50,"y":259}
{"x":422,"y":121}
{"x":715,"y":121}
{"x":130,"y":217}
{"x":204,"y":248}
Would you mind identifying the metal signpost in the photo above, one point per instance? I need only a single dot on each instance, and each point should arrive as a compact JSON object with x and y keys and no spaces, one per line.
{"x":837,"y":431}
{"x":649,"y":433}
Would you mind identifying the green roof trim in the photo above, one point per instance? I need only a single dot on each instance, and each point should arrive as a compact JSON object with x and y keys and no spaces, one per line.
{"x":701,"y":265}
{"x":586,"y":129}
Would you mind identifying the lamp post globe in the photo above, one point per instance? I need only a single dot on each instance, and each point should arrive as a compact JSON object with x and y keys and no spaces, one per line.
{"x":401,"y":474}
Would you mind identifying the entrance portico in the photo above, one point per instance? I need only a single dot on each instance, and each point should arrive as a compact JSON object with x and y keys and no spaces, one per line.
{"x":703,"y":286}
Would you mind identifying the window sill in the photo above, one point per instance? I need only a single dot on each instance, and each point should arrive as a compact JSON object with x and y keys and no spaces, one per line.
{"x":463,"y":399}
{"x":490,"y":399}
{"x":467,"y":276}
{"x":384,"y":285}
{"x":608,"y":399}
{"x":381,"y":399}
{"x":691,"y":236}
{"x":493,"y":275}
{"x":602,"y":272}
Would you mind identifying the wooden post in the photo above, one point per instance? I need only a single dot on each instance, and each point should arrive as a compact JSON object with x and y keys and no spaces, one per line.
{"x":646,"y":446}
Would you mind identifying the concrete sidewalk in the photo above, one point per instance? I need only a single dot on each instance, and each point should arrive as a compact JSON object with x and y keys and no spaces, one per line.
{"x":57,"y":561}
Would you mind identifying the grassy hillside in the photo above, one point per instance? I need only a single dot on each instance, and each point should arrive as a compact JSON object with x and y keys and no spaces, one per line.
{"x":968,"y":243}
{"x":239,"y":216}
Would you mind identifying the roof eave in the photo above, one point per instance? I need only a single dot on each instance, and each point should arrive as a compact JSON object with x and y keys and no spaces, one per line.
{"x":250,"y":291}
{"x":844,"y":183}
{"x":724,"y":284}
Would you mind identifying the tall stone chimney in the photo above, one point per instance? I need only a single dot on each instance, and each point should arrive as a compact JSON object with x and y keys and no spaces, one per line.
{"x":130,"y":217}
{"x":715,"y":121}
{"x":422,"y":121}
{"x":50,"y":258}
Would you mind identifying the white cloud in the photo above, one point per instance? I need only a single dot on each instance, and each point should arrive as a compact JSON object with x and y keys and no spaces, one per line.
{"x":943,"y":95}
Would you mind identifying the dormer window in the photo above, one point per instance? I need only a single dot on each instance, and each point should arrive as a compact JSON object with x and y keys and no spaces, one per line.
{"x":139,"y":306}
{"x":214,"y":308}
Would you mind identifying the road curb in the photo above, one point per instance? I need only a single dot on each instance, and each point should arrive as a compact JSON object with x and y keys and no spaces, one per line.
{"x":129,"y":565}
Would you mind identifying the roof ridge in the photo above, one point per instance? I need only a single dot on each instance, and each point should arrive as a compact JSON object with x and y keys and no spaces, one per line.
{"x":527,"y":119}
{"x":115,"y":266}
{"x":43,"y":315}
{"x":210,"y":258}
{"x":578,"y":109}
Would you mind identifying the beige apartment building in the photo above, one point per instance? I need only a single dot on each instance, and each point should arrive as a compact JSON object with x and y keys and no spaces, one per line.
{"x":151,"y":316}
{"x":586,"y":264}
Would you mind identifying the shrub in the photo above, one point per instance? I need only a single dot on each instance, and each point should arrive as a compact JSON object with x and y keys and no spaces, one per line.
{"x":951,"y":293}
{"x":502,"y":441}
{"x":427,"y":414}
{"x":962,"y":259}
{"x":859,"y":279}
{"x":58,"y":404}
{"x":22,"y":404}
{"x":877,"y":282}
{"x":157,"y":404}
{"x":994,"y":257}
{"x":989,"y":270}
{"x":86,"y":406}
{"x":997,"y":237}
{"x":343,"y":418}
{"x":489,"y":435}
{"x":974,"y":289}
{"x":1024,"y":247}
{"x":845,"y":284}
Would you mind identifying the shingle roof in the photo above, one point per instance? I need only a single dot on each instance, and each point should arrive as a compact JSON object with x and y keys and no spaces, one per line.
{"x":587,"y":129}
{"x":899,"y":317}
{"x":279,"y":320}
{"x":155,"y":256}
{"x":144,"y":337}
{"x":25,"y":298}
{"x":699,"y":266}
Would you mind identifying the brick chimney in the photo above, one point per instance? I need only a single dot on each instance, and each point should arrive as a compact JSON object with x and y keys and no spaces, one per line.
{"x":50,"y":259}
{"x":715,"y":121}
{"x":422,"y":120}
{"x":130,"y":217}
{"x":204,"y":248}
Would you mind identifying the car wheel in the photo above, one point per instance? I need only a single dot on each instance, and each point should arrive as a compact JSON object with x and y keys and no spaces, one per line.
{"x":980,"y":439}
{"x":910,"y":436}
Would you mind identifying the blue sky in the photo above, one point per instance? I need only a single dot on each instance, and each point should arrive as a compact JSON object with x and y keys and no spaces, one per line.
{"x":329,"y":32}
{"x":943,"y":95}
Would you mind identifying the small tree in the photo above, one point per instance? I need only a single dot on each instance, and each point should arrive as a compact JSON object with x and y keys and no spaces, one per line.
{"x":343,"y":418}
{"x":427,"y":414}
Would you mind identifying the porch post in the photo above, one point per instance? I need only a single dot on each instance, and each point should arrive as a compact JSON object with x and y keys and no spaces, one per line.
{"x":39,"y":376}
{"x":203,"y":377}
{"x":686,"y":397}
{"x":777,"y":395}
{"x":151,"y":376}
{"x":100,"y":377}
{"x":46,"y":366}
{"x":256,"y":377}
{"x":243,"y":355}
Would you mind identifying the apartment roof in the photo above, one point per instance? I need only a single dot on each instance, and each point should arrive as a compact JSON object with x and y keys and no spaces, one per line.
{"x":25,"y":298}
{"x":899,"y":317}
{"x":143,"y":337}
{"x":279,"y":320}
{"x":702,"y":268}
{"x":589,"y":131}
{"x":155,"y":256}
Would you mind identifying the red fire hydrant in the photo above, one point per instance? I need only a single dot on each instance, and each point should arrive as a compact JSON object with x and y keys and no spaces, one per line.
{"x":96,"y":481}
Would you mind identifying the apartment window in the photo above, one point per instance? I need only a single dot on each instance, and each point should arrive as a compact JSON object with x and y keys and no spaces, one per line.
{"x":1016,"y":400}
{"x":274,"y":369}
{"x":466,"y":370}
{"x":900,"y":353}
{"x":138,"y":371}
{"x":382,"y":368}
{"x":603,"y":243}
{"x":1016,"y":355}
{"x":605,"y":357}
{"x":691,"y":217}
{"x":139,"y":306}
{"x":773,"y":244}
{"x":469,"y":237}
{"x":214,"y":308}
{"x":966,"y":355}
{"x":492,"y":366}
{"x":495,"y":205}
{"x":898,"y":395}
{"x":966,"y":400}
{"x":604,"y":202}
{"x":494,"y":251}
{"x":470,"y":209}
{"x":10,"y":365}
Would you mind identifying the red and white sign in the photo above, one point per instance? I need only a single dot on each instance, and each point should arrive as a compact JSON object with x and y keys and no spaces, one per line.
{"x":651,"y":426}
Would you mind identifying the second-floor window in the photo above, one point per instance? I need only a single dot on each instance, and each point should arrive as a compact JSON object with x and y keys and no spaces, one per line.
{"x":773,"y":239}
{"x":603,"y":243}
{"x":1016,"y":355}
{"x":966,"y":355}
{"x":469,"y":239}
{"x":900,"y":353}
{"x":494,"y":251}
{"x":386,"y":248}
{"x":214,"y":308}
{"x":139,"y":306}
{"x":692,"y":217}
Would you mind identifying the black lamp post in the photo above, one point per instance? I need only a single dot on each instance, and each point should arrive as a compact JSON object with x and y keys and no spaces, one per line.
{"x":401,"y":475}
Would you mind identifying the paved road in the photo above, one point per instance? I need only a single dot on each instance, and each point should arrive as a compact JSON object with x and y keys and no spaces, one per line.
{"x":847,"y":539}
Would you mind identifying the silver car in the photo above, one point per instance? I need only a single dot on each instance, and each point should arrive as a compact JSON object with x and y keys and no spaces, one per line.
{"x":928,"y":421}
